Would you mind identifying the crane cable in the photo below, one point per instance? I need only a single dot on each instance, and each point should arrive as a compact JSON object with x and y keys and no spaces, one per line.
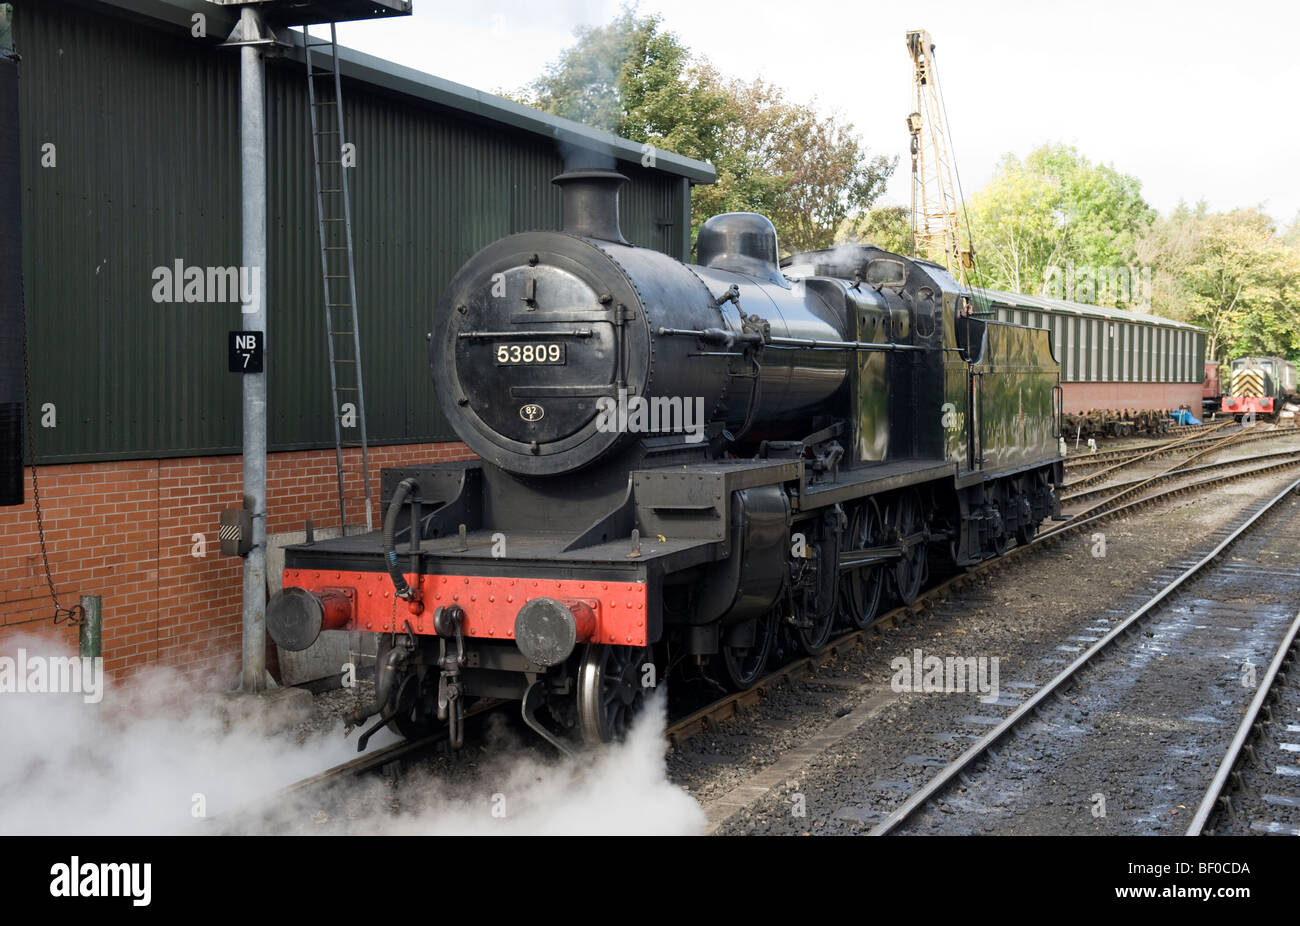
{"x":961,"y":195}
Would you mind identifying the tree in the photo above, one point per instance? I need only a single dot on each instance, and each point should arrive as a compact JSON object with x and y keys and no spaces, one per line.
{"x":804,"y":171}
{"x":1168,"y":248}
{"x":1056,"y":224}
{"x":888,"y":227}
{"x":1231,"y":274}
{"x":1292,"y":234}
{"x":610,"y":74}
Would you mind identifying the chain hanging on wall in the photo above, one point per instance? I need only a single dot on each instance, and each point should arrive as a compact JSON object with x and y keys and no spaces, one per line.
{"x":75,"y":614}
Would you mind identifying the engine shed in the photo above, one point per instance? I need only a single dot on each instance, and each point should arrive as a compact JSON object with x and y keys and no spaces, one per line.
{"x":128,"y":126}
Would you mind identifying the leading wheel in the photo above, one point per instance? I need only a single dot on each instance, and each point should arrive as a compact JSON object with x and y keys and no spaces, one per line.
{"x":742,"y":666}
{"x":612,"y":688}
{"x":860,"y":588}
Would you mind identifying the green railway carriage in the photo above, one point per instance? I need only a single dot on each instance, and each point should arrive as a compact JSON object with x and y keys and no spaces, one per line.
{"x":1116,"y":361}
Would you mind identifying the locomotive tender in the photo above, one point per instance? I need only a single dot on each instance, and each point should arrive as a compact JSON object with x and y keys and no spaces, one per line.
{"x":677,"y":463}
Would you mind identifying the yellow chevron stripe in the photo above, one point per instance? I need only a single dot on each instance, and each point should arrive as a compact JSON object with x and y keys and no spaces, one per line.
{"x":1248,"y":383}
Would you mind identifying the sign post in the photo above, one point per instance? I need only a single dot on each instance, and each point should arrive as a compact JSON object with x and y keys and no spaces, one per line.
{"x":246,"y":348}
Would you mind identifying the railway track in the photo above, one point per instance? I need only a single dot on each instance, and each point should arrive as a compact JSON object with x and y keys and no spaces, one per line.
{"x":1130,"y":457}
{"x":1256,"y":788}
{"x":705,"y":718}
{"x":1138,"y":486}
{"x":386,"y":755}
{"x":965,"y":768}
{"x":1174,"y":433}
{"x":1127,"y":458}
{"x":1271,"y":461}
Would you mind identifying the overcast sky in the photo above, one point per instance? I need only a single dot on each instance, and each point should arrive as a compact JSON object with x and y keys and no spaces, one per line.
{"x":1198,"y":100}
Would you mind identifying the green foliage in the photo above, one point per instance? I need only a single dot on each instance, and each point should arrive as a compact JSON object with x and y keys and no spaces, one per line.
{"x":888,"y":227}
{"x":593,"y":80}
{"x":1230,"y":273}
{"x":1055,"y":207}
{"x":806,"y":172}
{"x":1292,"y":234}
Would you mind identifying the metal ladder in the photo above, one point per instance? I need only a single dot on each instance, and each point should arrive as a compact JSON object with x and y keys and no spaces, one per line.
{"x":338,"y":273}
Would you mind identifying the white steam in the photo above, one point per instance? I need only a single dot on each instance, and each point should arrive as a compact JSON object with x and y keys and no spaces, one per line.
{"x":147,"y":761}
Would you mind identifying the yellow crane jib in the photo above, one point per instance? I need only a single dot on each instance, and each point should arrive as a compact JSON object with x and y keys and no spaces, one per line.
{"x":935,"y":195}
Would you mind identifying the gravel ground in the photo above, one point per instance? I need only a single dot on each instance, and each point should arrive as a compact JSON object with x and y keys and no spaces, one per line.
{"x":1131,"y":749}
{"x":1267,"y":799}
{"x":331,"y":708}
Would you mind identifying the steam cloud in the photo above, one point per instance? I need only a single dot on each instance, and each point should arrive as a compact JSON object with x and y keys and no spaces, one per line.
{"x":140,"y":761}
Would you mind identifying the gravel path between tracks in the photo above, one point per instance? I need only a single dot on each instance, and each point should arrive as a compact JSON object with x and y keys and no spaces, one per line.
{"x":331,"y":708}
{"x":1266,"y":797}
{"x":1230,"y":453}
{"x":1131,"y":749}
{"x":891,"y":743}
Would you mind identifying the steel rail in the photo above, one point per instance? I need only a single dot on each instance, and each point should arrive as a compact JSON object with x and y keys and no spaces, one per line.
{"x":368,"y":761}
{"x":1247,"y":438}
{"x":1103,"y":457}
{"x":1106,"y":503}
{"x":1147,"y":454}
{"x":1077,"y":497}
{"x":1214,"y":794}
{"x":1096,"y":457}
{"x":946,"y":775}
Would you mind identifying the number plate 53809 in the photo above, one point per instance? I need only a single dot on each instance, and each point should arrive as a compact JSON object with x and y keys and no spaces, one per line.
{"x":522,"y":354}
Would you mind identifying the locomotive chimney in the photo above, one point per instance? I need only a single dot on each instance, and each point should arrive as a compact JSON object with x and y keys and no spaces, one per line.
{"x":591,"y":203}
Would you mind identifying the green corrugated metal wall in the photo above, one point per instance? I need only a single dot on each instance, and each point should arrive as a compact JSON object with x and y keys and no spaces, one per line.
{"x":145,"y":129}
{"x":1104,"y":350}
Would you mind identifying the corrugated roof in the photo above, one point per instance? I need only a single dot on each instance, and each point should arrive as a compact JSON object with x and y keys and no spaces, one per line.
{"x":1065,"y":306}
{"x":419,"y":85}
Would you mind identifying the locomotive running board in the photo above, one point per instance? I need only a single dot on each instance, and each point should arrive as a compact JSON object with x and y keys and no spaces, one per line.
{"x":872,"y":479}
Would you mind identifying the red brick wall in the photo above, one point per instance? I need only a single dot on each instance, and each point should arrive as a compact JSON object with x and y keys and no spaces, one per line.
{"x":1080,"y":397}
{"x":124,"y":530}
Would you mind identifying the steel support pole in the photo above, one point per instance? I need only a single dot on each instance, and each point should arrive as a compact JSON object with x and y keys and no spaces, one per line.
{"x":252,"y":147}
{"x":90,"y":633}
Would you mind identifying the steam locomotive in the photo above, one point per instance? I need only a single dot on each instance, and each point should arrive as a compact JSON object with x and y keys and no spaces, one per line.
{"x":677,"y":464}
